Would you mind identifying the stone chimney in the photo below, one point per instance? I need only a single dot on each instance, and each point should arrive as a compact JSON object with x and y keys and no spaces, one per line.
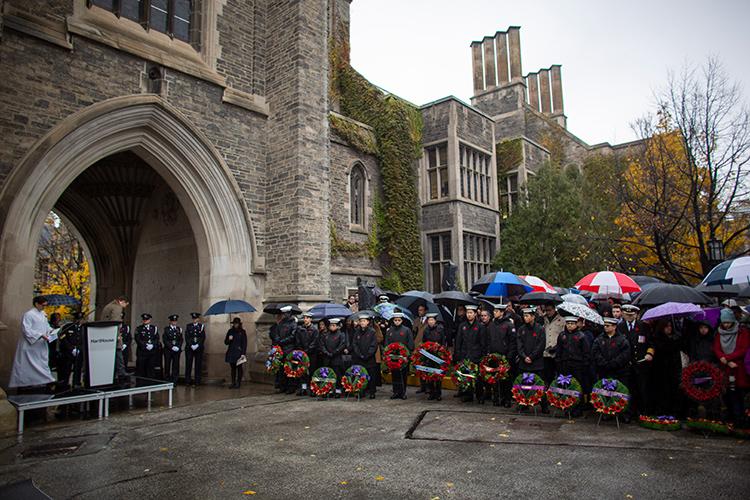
{"x":558,"y":111}
{"x":514,"y":42}
{"x":499,"y":86}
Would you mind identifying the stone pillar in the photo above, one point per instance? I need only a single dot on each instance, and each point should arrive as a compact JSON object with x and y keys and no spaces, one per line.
{"x":514,"y":42}
{"x":557,"y":93}
{"x":533,"y":84}
{"x":544,"y":91}
{"x":476,"y":65}
{"x":298,"y":160}
{"x":489,"y":62}
{"x":501,"y":49}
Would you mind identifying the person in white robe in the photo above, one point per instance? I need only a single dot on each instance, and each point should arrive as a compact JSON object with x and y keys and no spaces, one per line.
{"x":31,"y":362}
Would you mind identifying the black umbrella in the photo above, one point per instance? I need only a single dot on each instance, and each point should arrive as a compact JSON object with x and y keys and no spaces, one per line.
{"x":539,"y":298}
{"x":275,"y":308}
{"x":645,"y":280}
{"x":453,"y":298}
{"x":413,"y":299}
{"x":392,"y":296}
{"x":744,"y":293}
{"x":56,"y":299}
{"x":719,"y":290}
{"x":354,"y":317}
{"x":666,"y":292}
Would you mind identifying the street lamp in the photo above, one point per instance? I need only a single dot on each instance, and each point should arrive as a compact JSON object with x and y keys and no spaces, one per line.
{"x":715,"y":251}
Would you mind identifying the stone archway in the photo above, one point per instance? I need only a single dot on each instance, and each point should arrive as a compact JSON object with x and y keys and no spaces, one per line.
{"x":183,"y":158}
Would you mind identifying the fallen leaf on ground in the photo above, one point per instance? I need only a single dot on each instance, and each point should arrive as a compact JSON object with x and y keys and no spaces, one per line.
{"x":644,"y":474}
{"x":344,"y":482}
{"x":359,"y":468}
{"x":379,"y":478}
{"x":163,"y":449}
{"x":449,"y":485}
{"x":307,"y":427}
{"x":281,"y":439}
{"x":628,"y":496}
{"x":503,"y":435}
{"x":493,"y":418}
{"x":435,"y":498}
{"x":492,"y":446}
{"x":146,"y":470}
{"x":313,"y":455}
{"x":248,"y":492}
{"x":559,"y":463}
{"x":468,"y":472}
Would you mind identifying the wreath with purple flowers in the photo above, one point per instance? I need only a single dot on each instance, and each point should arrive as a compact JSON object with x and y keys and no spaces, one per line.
{"x":296,"y":364}
{"x":323,"y":381}
{"x":355,"y":379}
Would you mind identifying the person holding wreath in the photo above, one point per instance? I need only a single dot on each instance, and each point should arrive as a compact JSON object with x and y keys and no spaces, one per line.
{"x":501,"y":340}
{"x":397,"y":332}
{"x":435,"y":332}
{"x":364,"y":344}
{"x":236,"y":342}
{"x":471,"y":344}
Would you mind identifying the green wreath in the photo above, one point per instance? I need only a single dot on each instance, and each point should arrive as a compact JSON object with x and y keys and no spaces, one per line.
{"x":528,"y":389}
{"x":464,"y":375}
{"x":564,"y":392}
{"x":296,"y":364}
{"x":609,"y":396}
{"x":323,"y":381}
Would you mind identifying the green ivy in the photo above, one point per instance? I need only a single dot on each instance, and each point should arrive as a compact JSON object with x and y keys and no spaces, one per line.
{"x":359,"y":137}
{"x":340,"y":246}
{"x":509,"y":156}
{"x":398,"y":132}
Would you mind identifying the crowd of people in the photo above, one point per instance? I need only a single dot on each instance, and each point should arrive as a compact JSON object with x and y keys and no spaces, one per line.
{"x":646,"y":356}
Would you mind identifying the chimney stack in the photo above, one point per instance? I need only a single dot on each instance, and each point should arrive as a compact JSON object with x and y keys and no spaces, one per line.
{"x":514,"y":43}
{"x":501,"y":49}
{"x":490,"y":80}
{"x":476,"y":63}
{"x":533,"y":84}
{"x":544,"y":92}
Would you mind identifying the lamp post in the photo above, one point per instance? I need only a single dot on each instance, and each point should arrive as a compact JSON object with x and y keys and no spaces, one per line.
{"x":715,"y":251}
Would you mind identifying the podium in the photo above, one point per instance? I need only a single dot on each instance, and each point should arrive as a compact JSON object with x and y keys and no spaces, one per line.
{"x":99,"y":347}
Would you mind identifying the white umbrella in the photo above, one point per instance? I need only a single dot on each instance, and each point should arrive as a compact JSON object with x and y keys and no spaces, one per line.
{"x":575,"y":298}
{"x":581,"y":311}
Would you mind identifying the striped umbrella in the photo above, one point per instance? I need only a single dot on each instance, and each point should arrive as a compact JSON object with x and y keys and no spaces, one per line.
{"x":607,"y":282}
{"x":538,"y":284}
{"x":730,"y":272}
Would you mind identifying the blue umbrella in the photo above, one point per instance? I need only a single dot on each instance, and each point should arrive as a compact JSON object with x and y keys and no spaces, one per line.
{"x":56,"y":299}
{"x":328,"y":311}
{"x":386,"y":310}
{"x":730,"y":272}
{"x":503,"y":284}
{"x":229,"y":307}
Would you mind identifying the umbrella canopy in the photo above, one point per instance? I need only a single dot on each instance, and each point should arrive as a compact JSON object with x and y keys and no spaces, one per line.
{"x":671,"y":309}
{"x":581,"y":311}
{"x":645,"y":280}
{"x":328,"y":311}
{"x":666,"y":292}
{"x":353,"y":317}
{"x":229,"y":307}
{"x":538,"y":284}
{"x":56,"y":299}
{"x":611,"y":295}
{"x":386,"y":310}
{"x":453,"y":298}
{"x":274,"y":308}
{"x":501,"y":284}
{"x":730,"y":272}
{"x":719,"y":290}
{"x":379,"y":291}
{"x":744,"y":293}
{"x":562,"y":290}
{"x":538,"y":298}
{"x":575,"y":298}
{"x":607,"y":281}
{"x":412,"y":302}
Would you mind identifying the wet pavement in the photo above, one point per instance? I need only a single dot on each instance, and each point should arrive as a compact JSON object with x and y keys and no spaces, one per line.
{"x":223,"y":443}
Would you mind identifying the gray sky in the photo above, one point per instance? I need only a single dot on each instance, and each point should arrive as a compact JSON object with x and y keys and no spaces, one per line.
{"x":614,"y":54}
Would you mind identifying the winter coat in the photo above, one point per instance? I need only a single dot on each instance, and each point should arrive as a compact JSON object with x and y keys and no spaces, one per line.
{"x":573,"y":351}
{"x":435,"y":334}
{"x":611,"y":357}
{"x":236,"y":346}
{"x":471,"y":342}
{"x":364,"y":345}
{"x":331,"y":345}
{"x":500,"y":333}
{"x":400,"y":334}
{"x":530,"y":342}
{"x":738,"y":356}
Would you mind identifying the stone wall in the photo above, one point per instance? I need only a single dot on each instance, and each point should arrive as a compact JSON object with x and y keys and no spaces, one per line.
{"x":436,"y":118}
{"x":478,"y":219}
{"x":474,"y":127}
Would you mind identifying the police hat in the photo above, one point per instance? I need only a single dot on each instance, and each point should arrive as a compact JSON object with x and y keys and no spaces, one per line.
{"x":471,"y":307}
{"x":195,"y":315}
{"x":610,"y":321}
{"x":334,"y":321}
{"x":630,"y":308}
{"x":307,"y":314}
{"x":383,"y":298}
{"x":174,"y":317}
{"x":571,"y":319}
{"x":431,"y":315}
{"x":500,"y":307}
{"x":364,"y":315}
{"x":145,"y":316}
{"x":528,"y":310}
{"x":398,"y":315}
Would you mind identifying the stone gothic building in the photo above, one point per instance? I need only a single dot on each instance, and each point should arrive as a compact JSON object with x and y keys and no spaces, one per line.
{"x":188,"y":144}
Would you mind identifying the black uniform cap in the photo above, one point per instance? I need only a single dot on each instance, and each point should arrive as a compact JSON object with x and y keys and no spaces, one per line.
{"x":174,"y":317}
{"x":195,"y":315}
{"x":145,"y":316}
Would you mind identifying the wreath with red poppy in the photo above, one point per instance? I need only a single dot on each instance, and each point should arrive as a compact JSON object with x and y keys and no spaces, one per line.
{"x":493,"y":368}
{"x":275,"y":359}
{"x":396,"y":356}
{"x":427,"y":368}
{"x":609,"y":396}
{"x":528,"y":389}
{"x":323,"y":381}
{"x":464,"y":375}
{"x":702,"y":381}
{"x":297,"y":364}
{"x":564,"y":392}
{"x":355,"y":379}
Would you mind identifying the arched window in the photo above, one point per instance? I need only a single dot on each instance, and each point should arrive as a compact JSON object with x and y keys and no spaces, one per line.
{"x":357,"y":195}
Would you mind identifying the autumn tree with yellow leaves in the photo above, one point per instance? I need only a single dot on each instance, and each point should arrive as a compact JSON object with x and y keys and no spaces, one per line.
{"x":62,"y":267}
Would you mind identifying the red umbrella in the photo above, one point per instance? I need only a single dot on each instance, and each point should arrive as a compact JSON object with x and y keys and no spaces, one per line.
{"x":607,"y":282}
{"x":538,"y":284}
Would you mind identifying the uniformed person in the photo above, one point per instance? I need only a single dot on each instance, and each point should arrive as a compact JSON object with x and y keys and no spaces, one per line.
{"x":364,"y":345}
{"x":642,"y":350}
{"x":126,"y":337}
{"x":501,"y":339}
{"x":306,"y":339}
{"x":282,"y":335}
{"x":435,"y":332}
{"x":331,"y":347}
{"x":530,"y":344}
{"x":398,"y":332}
{"x":172,"y":338}
{"x":147,"y":340}
{"x":611,"y":353}
{"x":471,"y":344}
{"x":71,"y":352}
{"x":195,"y":340}
{"x":573,"y":355}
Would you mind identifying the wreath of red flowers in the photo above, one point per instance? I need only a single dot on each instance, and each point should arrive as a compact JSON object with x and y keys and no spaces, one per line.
{"x":660,"y":423}
{"x":564,"y":392}
{"x":323,"y":381}
{"x":609,"y":396}
{"x":702,"y":381}
{"x":296,"y":364}
{"x":275,"y":359}
{"x":418,"y":359}
{"x":396,"y":356}
{"x":493,"y":368}
{"x":528,"y":389}
{"x":464,"y":374}
{"x":355,"y":379}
